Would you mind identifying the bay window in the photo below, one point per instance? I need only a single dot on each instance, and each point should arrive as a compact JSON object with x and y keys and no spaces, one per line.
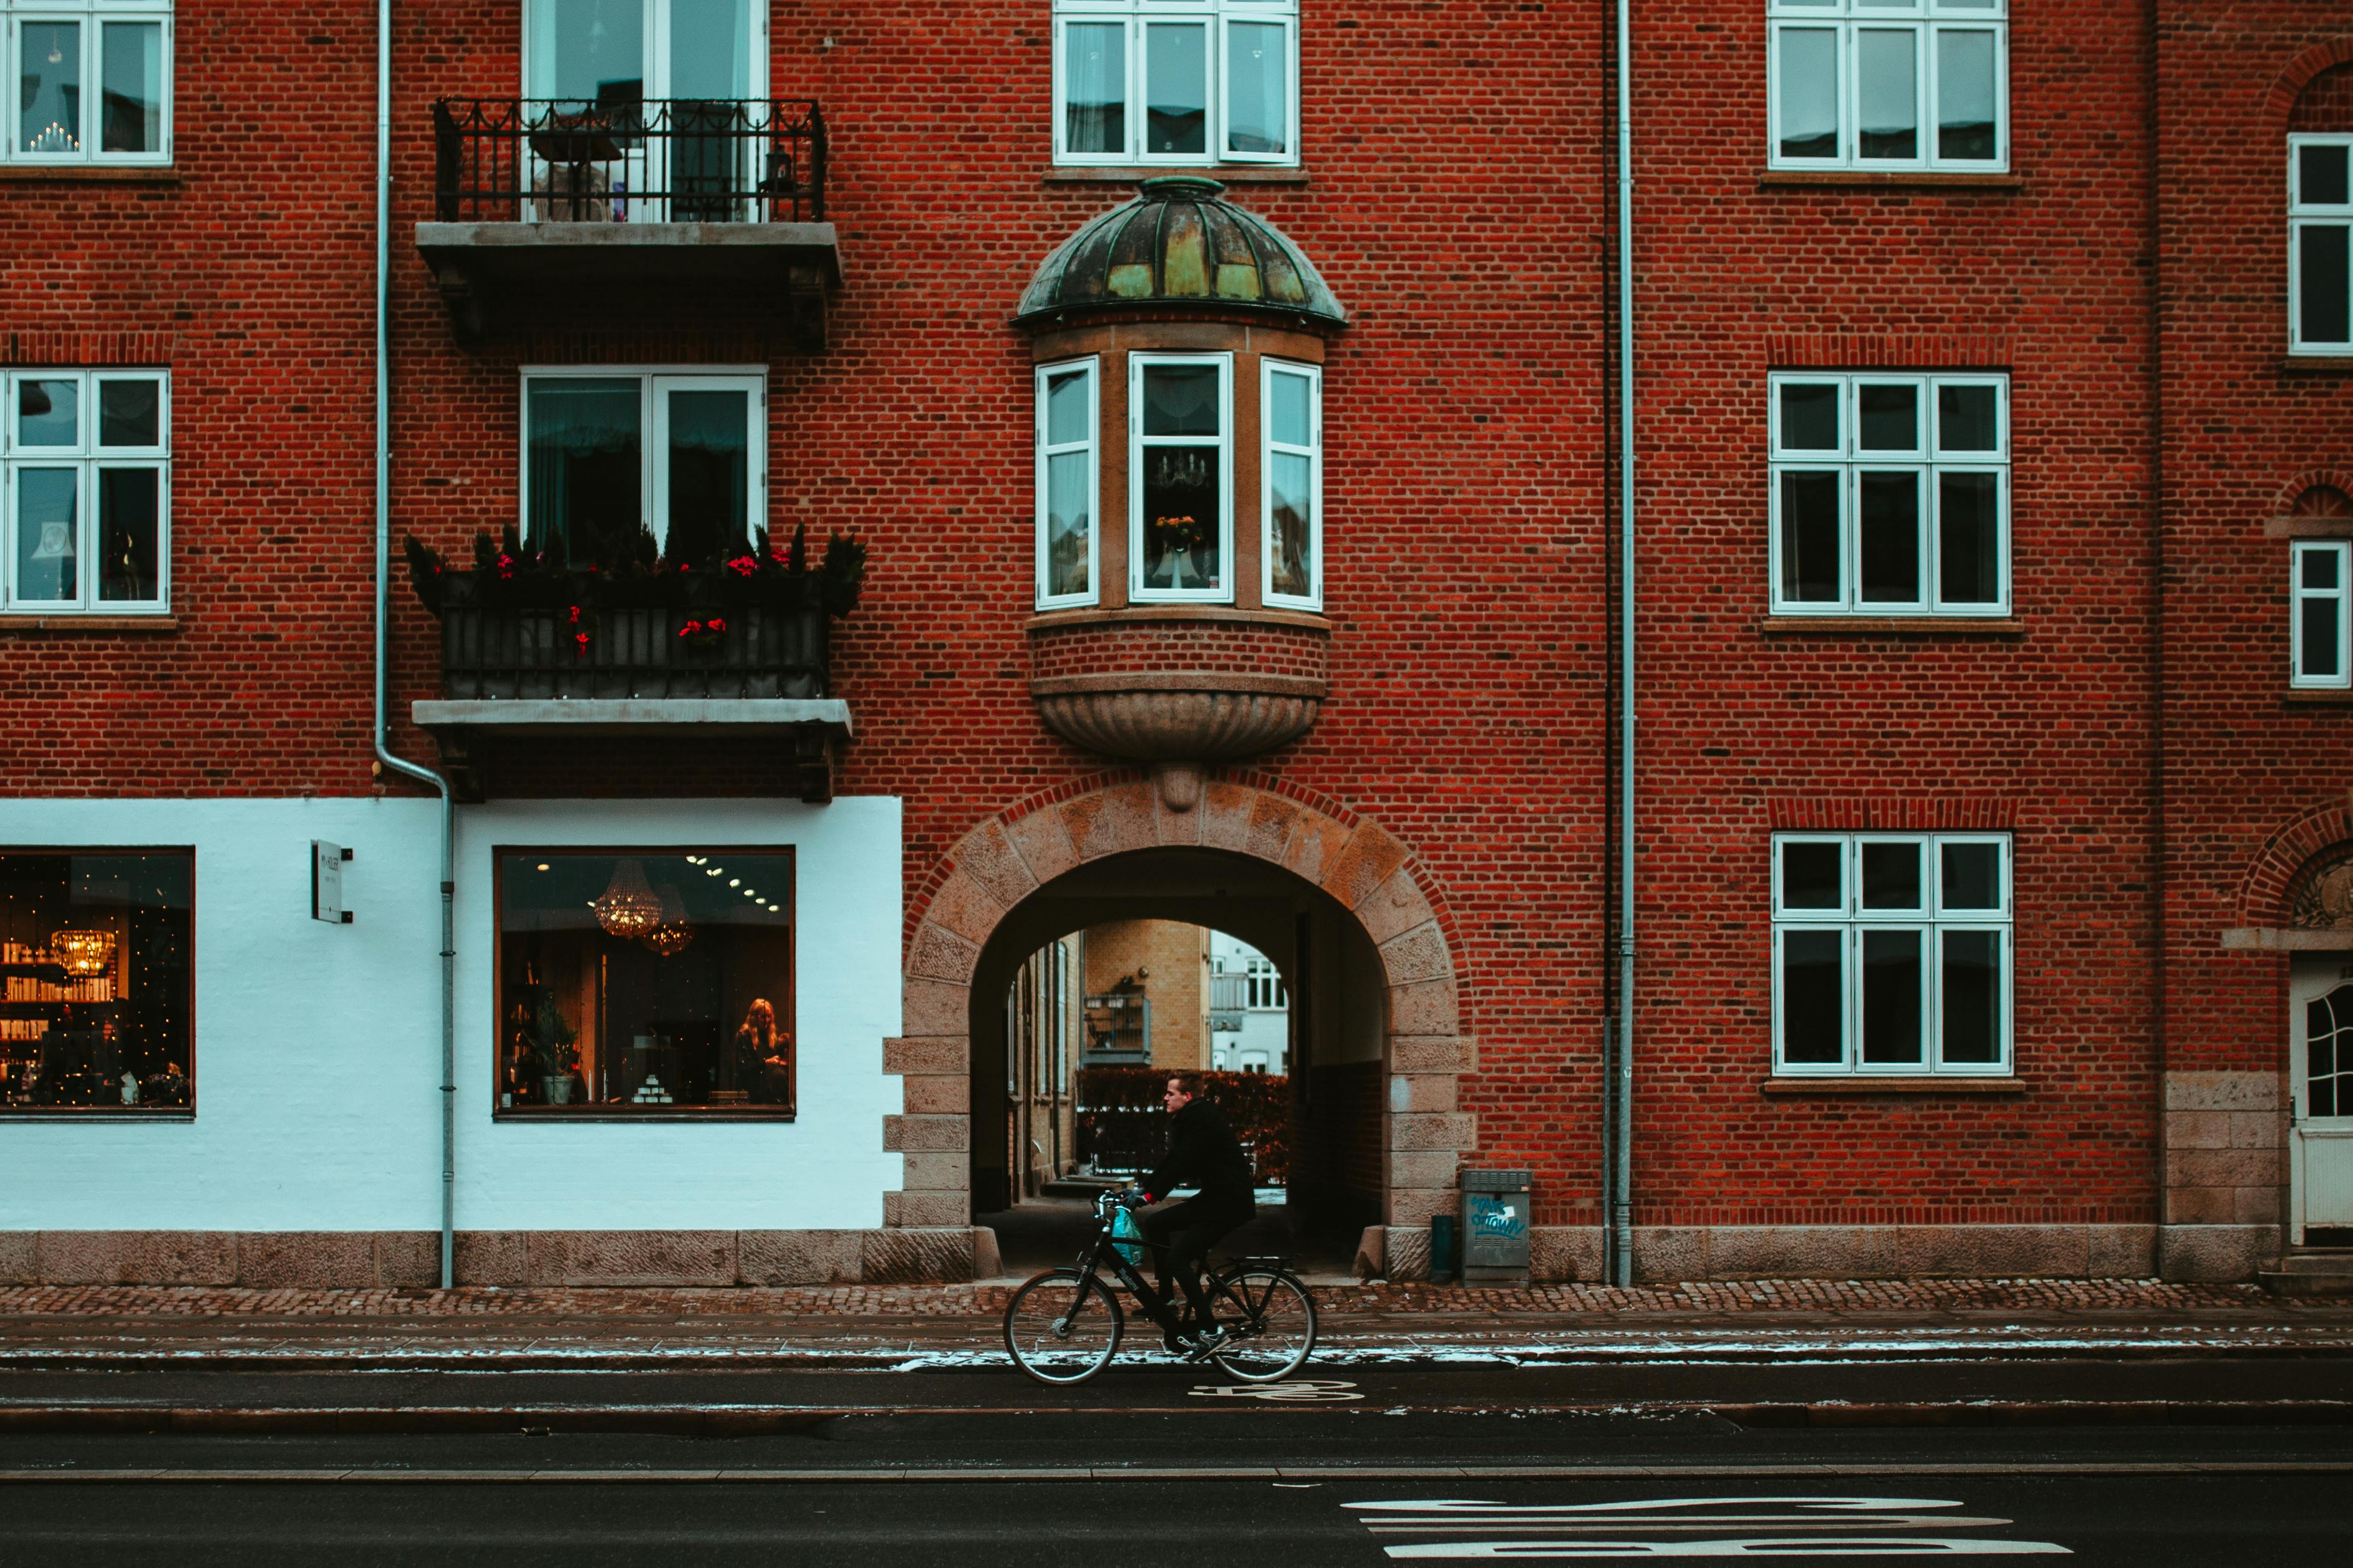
{"x":95,"y":949}
{"x":1888,"y":84}
{"x":1890,"y":494}
{"x":1891,"y":954}
{"x":85,"y":472}
{"x":1290,"y":483}
{"x":92,"y":81}
{"x":1180,"y":477}
{"x":2320,"y":648}
{"x":680,"y":456}
{"x":1066,"y":483}
{"x":645,"y":983}
{"x":2320,"y":244}
{"x":1176,"y":82}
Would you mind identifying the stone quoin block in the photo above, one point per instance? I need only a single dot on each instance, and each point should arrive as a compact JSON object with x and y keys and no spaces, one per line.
{"x":1368,"y":859}
{"x":1043,"y":841}
{"x":1394,"y":908}
{"x":1419,"y":955}
{"x":937,"y":1053}
{"x":929,"y":1170}
{"x":988,"y":856}
{"x":1427,"y":1054}
{"x":916,"y":1257}
{"x":940,"y":955}
{"x":933,"y":1133}
{"x":921,"y":1209}
{"x":928,"y":1094}
{"x":799,"y":1256}
{"x":1113,"y":821}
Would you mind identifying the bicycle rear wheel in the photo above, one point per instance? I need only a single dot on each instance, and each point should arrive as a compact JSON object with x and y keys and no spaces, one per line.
{"x":1270,"y":1323}
{"x":1061,"y":1327}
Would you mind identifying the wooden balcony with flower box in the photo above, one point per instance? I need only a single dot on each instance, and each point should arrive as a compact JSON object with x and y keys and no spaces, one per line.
{"x":555,"y":670}
{"x":554,"y":207}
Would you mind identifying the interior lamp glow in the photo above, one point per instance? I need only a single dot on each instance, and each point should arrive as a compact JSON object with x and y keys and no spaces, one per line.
{"x":628,"y":908}
{"x":85,"y":953}
{"x":671,"y":936}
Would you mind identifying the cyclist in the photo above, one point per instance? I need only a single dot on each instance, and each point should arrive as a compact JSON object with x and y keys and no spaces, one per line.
{"x":1202,"y":1152}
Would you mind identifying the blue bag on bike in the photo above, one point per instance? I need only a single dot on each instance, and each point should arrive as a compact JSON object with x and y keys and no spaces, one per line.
{"x":1126,"y":1238}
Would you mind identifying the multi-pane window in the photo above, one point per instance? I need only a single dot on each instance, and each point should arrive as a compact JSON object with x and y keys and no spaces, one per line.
{"x":1264,"y":992}
{"x":1176,"y":82}
{"x":2317,"y":589}
{"x":1180,"y":476}
{"x":683,"y":456}
{"x":85,"y":483}
{"x":1889,"y":84}
{"x":1891,"y":954}
{"x":1068,"y":483}
{"x":93,"y":81}
{"x":2320,"y":244}
{"x":1290,"y":483}
{"x":1891,"y":494}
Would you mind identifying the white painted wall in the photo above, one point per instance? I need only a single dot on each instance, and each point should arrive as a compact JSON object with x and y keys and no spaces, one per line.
{"x":318,"y":1047}
{"x":1265,"y":1035}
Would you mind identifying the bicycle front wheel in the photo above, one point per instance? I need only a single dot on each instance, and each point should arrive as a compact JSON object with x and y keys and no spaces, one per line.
{"x":1270,"y":1323}
{"x":1061,"y":1327}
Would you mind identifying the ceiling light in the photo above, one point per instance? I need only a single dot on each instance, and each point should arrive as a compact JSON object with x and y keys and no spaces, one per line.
{"x":735,"y":881}
{"x":542,"y":864}
{"x":628,"y":908}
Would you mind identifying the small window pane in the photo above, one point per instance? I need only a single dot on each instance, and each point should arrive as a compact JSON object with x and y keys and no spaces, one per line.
{"x":709,"y":50}
{"x":1808,"y":86}
{"x":116,"y":1035}
{"x":1890,"y":418}
{"x":130,"y":525}
{"x":130,"y":413}
{"x":585,"y":468}
{"x":132,"y":73}
{"x":1070,"y":535}
{"x":710,"y":474}
{"x":1095,"y":88}
{"x":1065,"y":408}
{"x":48,"y":534}
{"x":2319,"y":567}
{"x":1292,"y":507}
{"x":1809,"y":416}
{"x":1972,"y":878}
{"x":1968,"y":419}
{"x":1176,"y":87}
{"x":49,"y":412}
{"x":1964,"y":95}
{"x":1813,"y":997}
{"x":1892,"y":978}
{"x":2322,"y":283}
{"x":1257,"y":102}
{"x":1180,"y":400}
{"x":1887,"y":93}
{"x":1969,"y":539}
{"x":1891,"y":877}
{"x":1888,"y":515}
{"x":1809,"y":538}
{"x":1972,"y":993}
{"x":1287,"y":410}
{"x":2319,"y":618}
{"x":2322,"y":173}
{"x":1810,"y":877}
{"x":1182,"y":489}
{"x":49,"y":89}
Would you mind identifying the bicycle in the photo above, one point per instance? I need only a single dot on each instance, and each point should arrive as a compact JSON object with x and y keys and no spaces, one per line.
{"x":1063,"y":1326}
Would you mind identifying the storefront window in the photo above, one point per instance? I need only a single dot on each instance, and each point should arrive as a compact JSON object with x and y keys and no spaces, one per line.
{"x":94,"y":948}
{"x":645,"y":983}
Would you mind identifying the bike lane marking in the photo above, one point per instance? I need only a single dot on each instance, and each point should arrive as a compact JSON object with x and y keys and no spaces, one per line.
{"x":1688,"y":1526}
{"x":1302,"y":1391}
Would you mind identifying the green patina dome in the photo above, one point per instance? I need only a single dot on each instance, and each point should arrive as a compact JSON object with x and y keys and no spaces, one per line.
{"x":1180,"y":243}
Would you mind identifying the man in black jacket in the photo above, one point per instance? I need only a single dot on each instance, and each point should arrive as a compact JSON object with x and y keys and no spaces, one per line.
{"x":1202,"y":1152}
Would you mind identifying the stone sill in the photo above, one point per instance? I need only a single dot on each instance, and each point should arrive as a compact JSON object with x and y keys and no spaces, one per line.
{"x":1909,"y":1084}
{"x":2308,"y":528}
{"x":2317,"y":697}
{"x":1893,"y":625}
{"x":1128,"y":175}
{"x":89,"y":624}
{"x":2274,"y":939}
{"x":1129,"y":615}
{"x":2317,"y":365}
{"x":1931,"y":180}
{"x":85,"y":175}
{"x":672,"y":1114}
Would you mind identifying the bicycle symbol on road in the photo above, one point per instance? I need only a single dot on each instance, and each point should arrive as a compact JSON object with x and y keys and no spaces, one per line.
{"x":1306,"y":1391}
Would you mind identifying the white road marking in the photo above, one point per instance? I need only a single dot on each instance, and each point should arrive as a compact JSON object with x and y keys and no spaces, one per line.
{"x":1304,"y":1391}
{"x":1801,"y":1526}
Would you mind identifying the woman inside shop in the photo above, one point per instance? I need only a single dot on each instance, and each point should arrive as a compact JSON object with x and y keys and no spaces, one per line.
{"x":763,"y":1055}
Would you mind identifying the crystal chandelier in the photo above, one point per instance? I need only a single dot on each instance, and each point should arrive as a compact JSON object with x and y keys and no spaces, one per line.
{"x":85,"y":953}
{"x":628,"y":908}
{"x":670,"y":936}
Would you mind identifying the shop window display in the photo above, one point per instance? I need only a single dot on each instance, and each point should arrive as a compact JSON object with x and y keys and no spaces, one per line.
{"x":645,"y":984}
{"x":95,"y":952}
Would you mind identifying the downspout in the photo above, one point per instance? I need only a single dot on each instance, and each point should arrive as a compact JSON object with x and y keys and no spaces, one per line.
{"x":385,"y":757}
{"x":1619,"y":1093}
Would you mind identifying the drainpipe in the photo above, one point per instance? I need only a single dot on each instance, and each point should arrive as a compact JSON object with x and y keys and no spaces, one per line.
{"x":384,"y":754}
{"x":1618,"y":1180}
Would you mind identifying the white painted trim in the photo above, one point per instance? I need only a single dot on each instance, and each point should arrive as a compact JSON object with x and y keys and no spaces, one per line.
{"x":1224,"y":446}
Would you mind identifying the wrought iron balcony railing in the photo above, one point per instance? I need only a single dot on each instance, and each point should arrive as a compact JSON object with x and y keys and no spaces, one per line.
{"x":756,"y":651}
{"x":532,"y":160}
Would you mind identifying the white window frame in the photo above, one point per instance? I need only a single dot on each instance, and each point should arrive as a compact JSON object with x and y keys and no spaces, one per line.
{"x":653,"y":420}
{"x":1926,"y":20}
{"x":91,"y":15}
{"x":655,"y":47}
{"x":87,"y":457}
{"x":2299,"y":597}
{"x":1268,"y":448}
{"x":1850,"y":461}
{"x":1931,"y":918}
{"x":2303,"y":214}
{"x":1216,"y":16}
{"x":1091,"y":368}
{"x":1136,"y":592}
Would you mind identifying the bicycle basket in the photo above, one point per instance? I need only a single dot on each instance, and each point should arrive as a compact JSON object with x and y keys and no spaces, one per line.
{"x":1126,"y":1238}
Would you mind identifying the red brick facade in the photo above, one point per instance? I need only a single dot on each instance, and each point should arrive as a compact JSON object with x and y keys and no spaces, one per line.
{"x":2127,"y":721}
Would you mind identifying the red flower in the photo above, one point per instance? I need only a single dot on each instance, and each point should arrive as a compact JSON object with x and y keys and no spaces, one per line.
{"x":744,"y":566}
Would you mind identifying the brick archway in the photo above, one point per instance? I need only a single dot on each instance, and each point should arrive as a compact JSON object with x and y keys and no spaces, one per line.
{"x":1009,"y":857}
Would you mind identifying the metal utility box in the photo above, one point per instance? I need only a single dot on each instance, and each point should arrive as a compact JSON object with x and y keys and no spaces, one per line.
{"x":1494,"y":1228}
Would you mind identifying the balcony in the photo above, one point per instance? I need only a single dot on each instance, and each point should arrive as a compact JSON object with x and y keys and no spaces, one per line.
{"x":548,"y":205}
